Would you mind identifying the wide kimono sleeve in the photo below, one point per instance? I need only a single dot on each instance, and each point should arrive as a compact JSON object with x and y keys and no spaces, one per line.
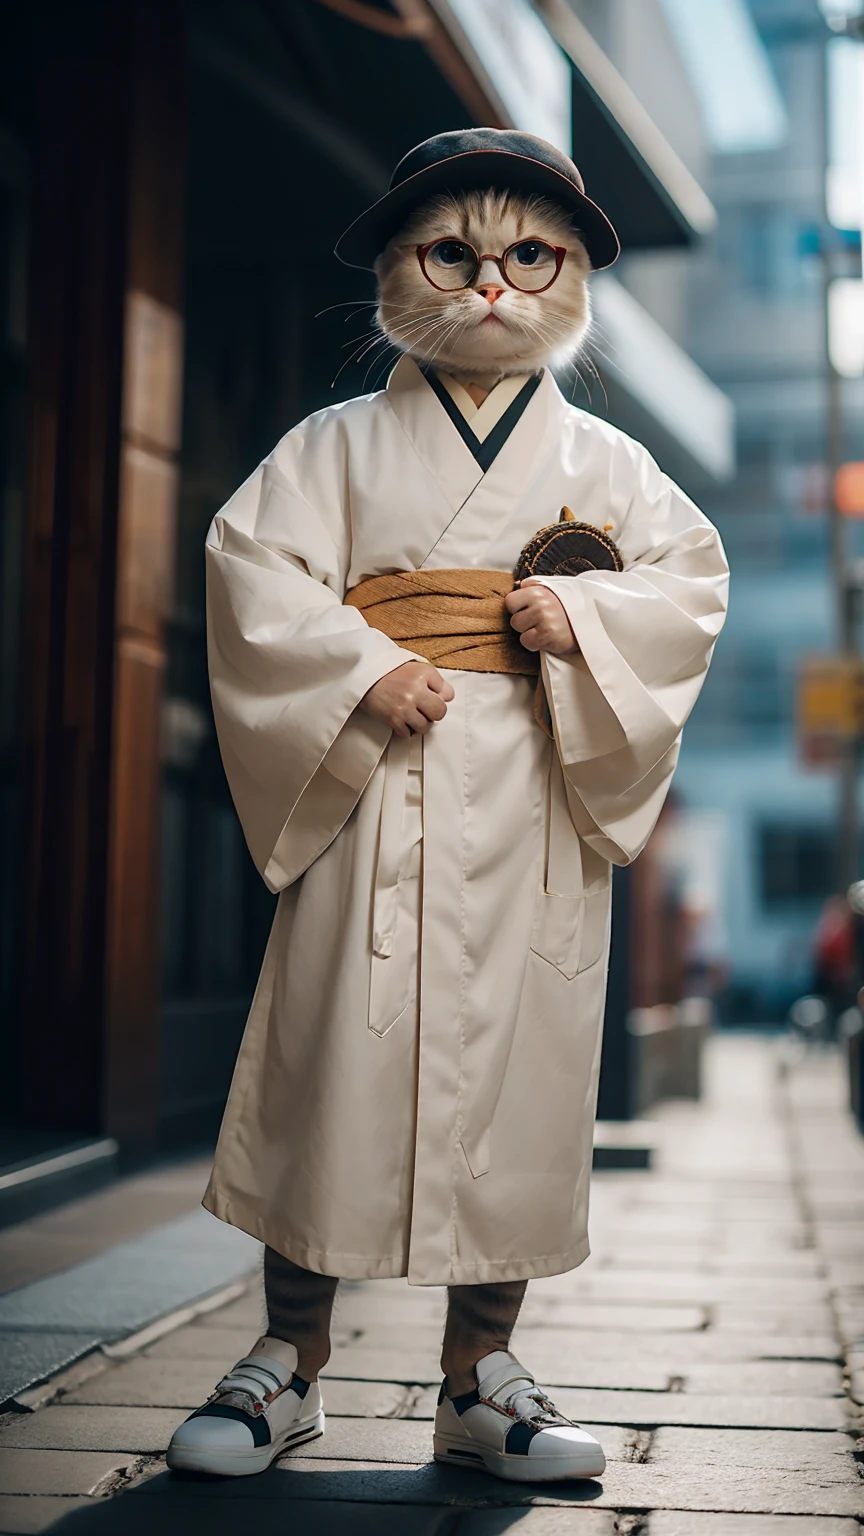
{"x":645,"y":637}
{"x":288,"y":662}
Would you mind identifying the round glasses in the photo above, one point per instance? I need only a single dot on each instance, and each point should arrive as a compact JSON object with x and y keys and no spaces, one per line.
{"x":530,"y":265}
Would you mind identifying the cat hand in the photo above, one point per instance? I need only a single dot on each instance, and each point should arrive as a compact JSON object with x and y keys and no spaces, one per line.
{"x":410,"y":699}
{"x":540,"y":619}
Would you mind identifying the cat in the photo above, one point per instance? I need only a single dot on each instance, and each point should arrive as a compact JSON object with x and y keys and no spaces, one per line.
{"x":459,"y":331}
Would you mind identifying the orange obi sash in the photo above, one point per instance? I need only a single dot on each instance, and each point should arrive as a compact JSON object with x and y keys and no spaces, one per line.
{"x":453,"y":618}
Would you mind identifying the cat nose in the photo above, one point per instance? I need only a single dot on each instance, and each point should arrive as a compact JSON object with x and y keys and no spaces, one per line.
{"x":490,"y":292}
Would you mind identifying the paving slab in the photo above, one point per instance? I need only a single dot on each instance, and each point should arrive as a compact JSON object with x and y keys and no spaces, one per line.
{"x":591,"y":1314}
{"x":754,"y":1238}
{"x":805,"y":1264}
{"x":669,"y":1522}
{"x":649,"y":1409}
{"x":57,"y":1428}
{"x":813,"y":1320}
{"x":569,"y":1361}
{"x":221,"y":1346}
{"x":535,"y":1522}
{"x":842,"y":1274}
{"x":695,"y":1288}
{"x":26,"y":1516}
{"x":624,"y":1487}
{"x":247,"y":1312}
{"x":841,"y":1240}
{"x":56,"y":1472}
{"x":850,"y":1323}
{"x":826,"y":1456}
{"x":186,"y":1384}
{"x":767,"y":1378}
{"x":363,"y":1360}
{"x":208,"y":1515}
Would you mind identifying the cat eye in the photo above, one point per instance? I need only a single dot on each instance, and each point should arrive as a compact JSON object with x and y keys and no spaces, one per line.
{"x":530,"y":265}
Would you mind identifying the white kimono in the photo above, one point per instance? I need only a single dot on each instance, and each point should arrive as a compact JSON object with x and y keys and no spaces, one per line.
{"x":415,"y":1092}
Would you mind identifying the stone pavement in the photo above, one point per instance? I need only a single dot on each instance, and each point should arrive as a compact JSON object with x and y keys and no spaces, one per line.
{"x":714,"y":1341}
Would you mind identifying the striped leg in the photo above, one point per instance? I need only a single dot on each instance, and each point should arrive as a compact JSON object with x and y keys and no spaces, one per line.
{"x":299,"y":1308}
{"x":480,"y":1319}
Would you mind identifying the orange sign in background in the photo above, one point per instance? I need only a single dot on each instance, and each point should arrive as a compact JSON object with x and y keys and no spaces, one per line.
{"x":849,"y":490}
{"x":830,"y":707}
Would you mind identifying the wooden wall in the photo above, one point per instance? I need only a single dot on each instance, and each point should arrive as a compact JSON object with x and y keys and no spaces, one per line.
{"x":106,"y":358}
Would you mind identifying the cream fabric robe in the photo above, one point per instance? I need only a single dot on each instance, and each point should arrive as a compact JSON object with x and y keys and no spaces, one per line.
{"x":415,"y":1092}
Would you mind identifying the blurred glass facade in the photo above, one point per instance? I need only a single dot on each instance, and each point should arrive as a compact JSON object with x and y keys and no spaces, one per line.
{"x":757,"y":325}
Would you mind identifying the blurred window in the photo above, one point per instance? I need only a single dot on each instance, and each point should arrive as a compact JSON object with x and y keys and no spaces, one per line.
{"x":747,"y":697}
{"x":796,"y":863}
{"x":730,"y":69}
{"x":770,"y":256}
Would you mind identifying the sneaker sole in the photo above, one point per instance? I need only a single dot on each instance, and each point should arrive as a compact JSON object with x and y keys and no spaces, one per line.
{"x":515,"y":1469}
{"x":242,"y":1463}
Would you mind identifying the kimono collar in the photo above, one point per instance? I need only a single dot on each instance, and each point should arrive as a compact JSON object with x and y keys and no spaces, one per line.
{"x":482,"y":418}
{"x":458,"y":456}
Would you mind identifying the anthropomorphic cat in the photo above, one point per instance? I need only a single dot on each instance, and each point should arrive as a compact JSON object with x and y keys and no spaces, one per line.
{"x":437,"y":767}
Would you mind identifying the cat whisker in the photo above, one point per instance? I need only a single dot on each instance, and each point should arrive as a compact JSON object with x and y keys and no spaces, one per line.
{"x":379,"y":330}
{"x":346,"y":304}
{"x":367,"y":343}
{"x":375,"y":361}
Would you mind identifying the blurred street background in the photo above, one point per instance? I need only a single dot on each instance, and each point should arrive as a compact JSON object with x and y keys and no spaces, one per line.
{"x":173,"y":176}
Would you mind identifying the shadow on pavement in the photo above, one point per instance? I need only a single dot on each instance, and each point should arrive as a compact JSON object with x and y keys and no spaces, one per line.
{"x":377,"y":1501}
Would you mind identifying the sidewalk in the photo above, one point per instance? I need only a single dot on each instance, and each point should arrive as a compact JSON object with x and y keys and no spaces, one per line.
{"x":704,"y":1342}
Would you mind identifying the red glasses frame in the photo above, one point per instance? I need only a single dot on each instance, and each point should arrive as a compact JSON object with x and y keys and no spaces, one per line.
{"x":423,"y":251}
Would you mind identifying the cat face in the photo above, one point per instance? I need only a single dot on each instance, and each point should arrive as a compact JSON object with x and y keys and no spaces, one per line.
{"x":489,"y":329}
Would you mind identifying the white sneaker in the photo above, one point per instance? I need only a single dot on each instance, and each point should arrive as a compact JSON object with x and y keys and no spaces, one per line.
{"x":257,"y":1411}
{"x":508,"y":1425}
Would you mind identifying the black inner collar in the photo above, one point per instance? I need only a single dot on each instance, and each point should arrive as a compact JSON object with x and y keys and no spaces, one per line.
{"x":486,"y":452}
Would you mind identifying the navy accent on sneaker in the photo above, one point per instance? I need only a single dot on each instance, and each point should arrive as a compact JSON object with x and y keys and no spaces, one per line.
{"x":465,"y":1401}
{"x":442,"y":1392}
{"x":255,"y":1423}
{"x":519,"y":1438}
{"x":299,"y":1386}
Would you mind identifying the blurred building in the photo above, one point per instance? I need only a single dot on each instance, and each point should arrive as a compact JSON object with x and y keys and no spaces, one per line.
{"x":172,"y":179}
{"x":756,"y":323}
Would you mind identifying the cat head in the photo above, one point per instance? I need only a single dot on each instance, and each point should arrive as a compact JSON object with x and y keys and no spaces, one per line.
{"x":489,"y":329}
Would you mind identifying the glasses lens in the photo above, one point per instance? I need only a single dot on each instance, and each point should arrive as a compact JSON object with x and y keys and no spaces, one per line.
{"x":530,"y":265}
{"x":450,"y":263}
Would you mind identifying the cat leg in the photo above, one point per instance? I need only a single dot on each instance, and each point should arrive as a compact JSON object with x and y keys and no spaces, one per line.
{"x":299,"y":1308}
{"x":270,"y":1400}
{"x":491,"y":1415}
{"x":480,"y":1320}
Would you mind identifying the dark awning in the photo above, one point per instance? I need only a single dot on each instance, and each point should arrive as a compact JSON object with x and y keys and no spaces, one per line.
{"x":648,"y":192}
{"x":628,"y":165}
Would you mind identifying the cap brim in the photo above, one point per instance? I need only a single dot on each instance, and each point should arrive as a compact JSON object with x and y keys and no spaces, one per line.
{"x":365,"y":239}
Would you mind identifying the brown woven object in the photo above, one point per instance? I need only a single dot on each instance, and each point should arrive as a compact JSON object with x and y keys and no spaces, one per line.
{"x":568,"y":548}
{"x":453,"y":618}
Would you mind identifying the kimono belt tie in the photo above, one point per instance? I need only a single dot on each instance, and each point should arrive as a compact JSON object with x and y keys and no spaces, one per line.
{"x":454,"y":618}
